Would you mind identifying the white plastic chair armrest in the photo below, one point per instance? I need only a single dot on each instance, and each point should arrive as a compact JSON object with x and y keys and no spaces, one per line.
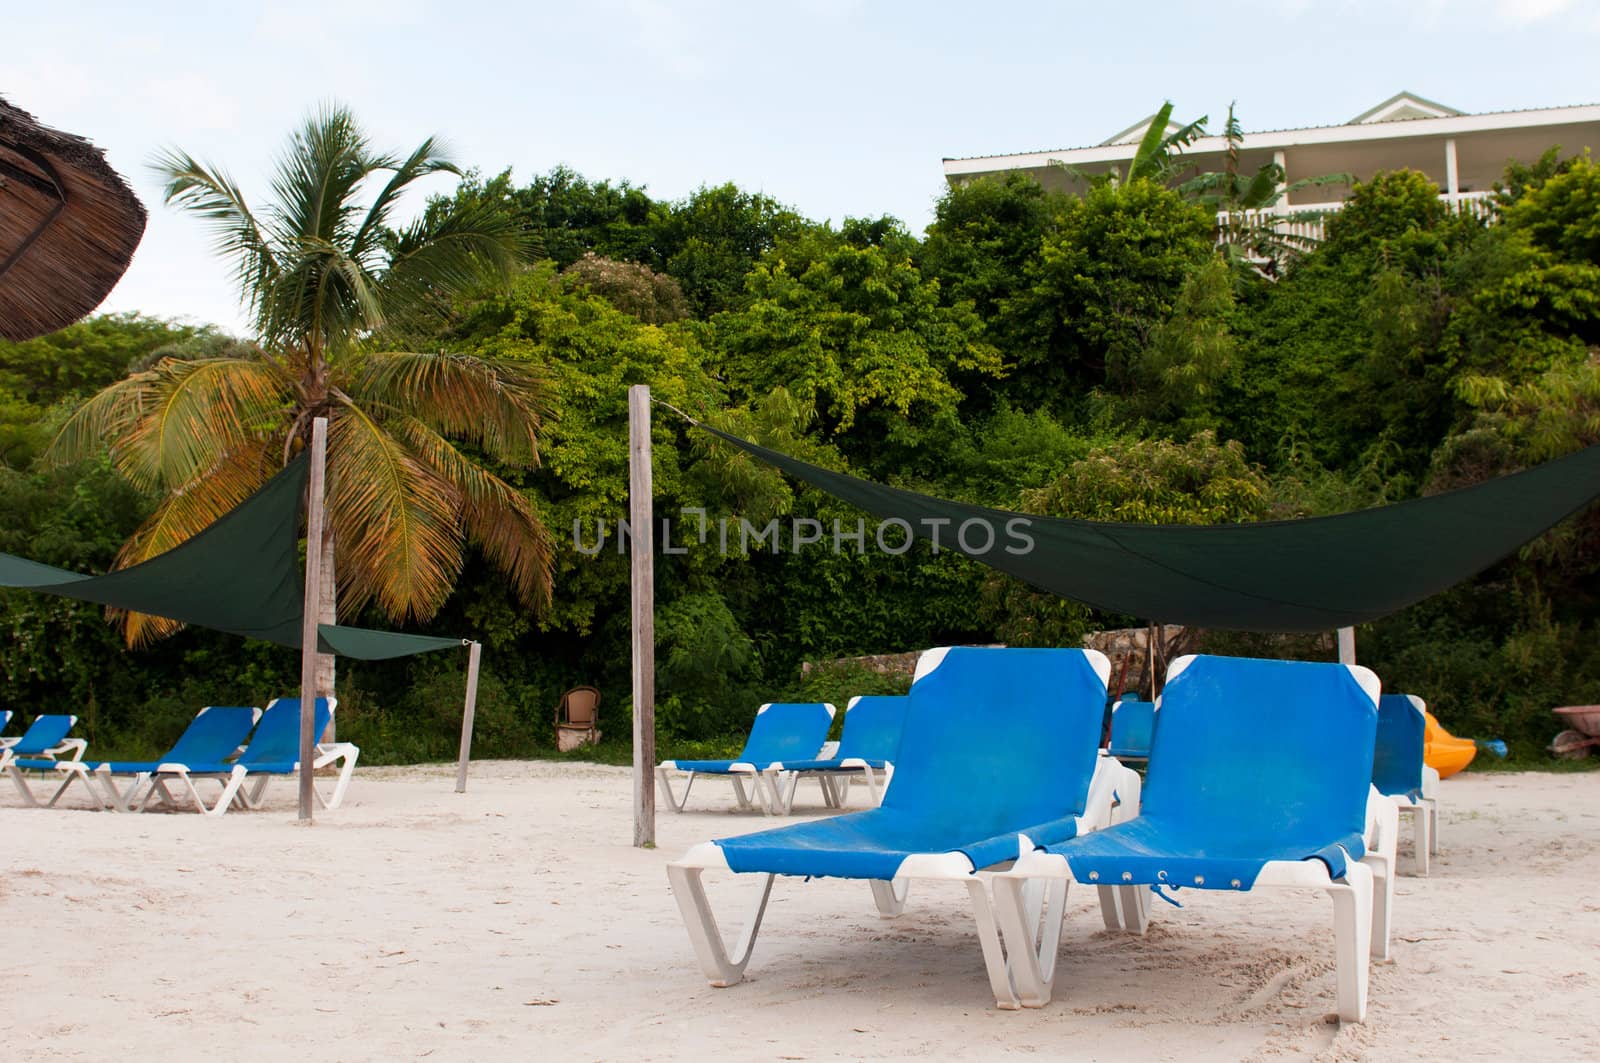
{"x":935,"y":865}
{"x":1039,"y":864}
{"x":704,"y":855}
{"x":328,"y":752}
{"x":1430,"y":783}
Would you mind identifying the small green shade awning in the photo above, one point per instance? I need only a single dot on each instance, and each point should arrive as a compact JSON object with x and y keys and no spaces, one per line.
{"x":366,"y":644}
{"x":1306,"y":575}
{"x":241,"y":575}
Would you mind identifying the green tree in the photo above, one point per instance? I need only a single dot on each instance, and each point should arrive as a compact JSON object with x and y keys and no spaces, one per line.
{"x":1141,"y":481}
{"x":847,"y":323}
{"x":1562,"y":214}
{"x":1107,"y":275}
{"x":328,"y":285}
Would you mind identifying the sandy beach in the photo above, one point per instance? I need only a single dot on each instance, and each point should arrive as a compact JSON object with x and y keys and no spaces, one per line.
{"x":516,"y":922}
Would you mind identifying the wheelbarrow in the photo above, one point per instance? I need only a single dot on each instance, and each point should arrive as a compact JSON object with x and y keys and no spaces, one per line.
{"x":1583,"y":734}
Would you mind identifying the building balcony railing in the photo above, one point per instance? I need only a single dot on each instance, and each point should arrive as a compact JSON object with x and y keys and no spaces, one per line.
{"x":1304,"y":222}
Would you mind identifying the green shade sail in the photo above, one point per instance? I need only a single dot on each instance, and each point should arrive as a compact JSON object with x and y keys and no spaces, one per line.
{"x":241,"y":575}
{"x":1297,"y":575}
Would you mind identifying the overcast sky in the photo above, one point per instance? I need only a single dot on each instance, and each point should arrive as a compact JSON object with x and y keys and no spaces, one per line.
{"x":836,"y":107}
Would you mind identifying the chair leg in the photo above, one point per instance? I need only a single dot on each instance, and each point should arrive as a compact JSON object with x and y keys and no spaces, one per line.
{"x":1352,"y":936}
{"x":1422,"y":835}
{"x":1383,"y":863}
{"x":874,"y":791}
{"x":743,"y":798}
{"x":1030,"y":914}
{"x":1433,"y":826}
{"x":1125,"y":908}
{"x":69,"y":777}
{"x":22,"y":786}
{"x":666,"y":789}
{"x":989,"y":938}
{"x":690,"y":893}
{"x":889,"y":896}
{"x":121,"y":800}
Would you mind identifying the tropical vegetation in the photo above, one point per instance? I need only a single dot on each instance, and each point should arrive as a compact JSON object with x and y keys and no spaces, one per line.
{"x":1095,"y":355}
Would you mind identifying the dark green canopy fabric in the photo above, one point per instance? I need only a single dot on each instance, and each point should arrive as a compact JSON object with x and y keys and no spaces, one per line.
{"x":241,"y":575}
{"x":1298,"y":575}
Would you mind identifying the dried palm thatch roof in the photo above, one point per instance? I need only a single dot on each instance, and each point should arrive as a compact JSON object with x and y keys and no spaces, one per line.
{"x":68,"y":226}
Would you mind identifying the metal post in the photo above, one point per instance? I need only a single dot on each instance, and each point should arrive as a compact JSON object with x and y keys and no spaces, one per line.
{"x":467,"y":711}
{"x":1347,"y":645}
{"x":308,"y":618}
{"x":641,"y":528}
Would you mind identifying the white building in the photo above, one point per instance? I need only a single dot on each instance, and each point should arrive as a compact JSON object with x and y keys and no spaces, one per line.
{"x":1464,"y":154}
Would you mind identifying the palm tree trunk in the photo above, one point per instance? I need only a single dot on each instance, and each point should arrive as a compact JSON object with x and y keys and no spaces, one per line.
{"x":327,"y":613}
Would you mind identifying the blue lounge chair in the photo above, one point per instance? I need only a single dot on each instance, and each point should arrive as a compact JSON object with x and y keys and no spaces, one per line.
{"x":868,"y":746}
{"x":1399,"y":773}
{"x":215,"y":734}
{"x":997,"y":743}
{"x":1260,"y":774}
{"x":5,"y":721}
{"x":273,"y":752}
{"x":1133,"y":725}
{"x":787,"y":731}
{"x":40,"y":748}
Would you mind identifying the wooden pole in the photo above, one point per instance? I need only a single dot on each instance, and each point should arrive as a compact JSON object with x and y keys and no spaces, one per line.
{"x":308,"y":616}
{"x":641,"y":527}
{"x":467,"y":711}
{"x":1347,"y":645}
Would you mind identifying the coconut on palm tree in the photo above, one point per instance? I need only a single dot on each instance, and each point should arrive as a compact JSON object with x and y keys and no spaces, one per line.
{"x":334,"y":292}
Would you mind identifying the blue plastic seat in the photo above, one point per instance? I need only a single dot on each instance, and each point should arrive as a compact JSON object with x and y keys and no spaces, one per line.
{"x":273,"y":751}
{"x":39,"y":749}
{"x":1260,"y":773}
{"x":999,"y":751}
{"x":1400,"y":773}
{"x":1133,"y":724}
{"x":782,"y":731}
{"x":214,"y":735}
{"x":868,"y":746}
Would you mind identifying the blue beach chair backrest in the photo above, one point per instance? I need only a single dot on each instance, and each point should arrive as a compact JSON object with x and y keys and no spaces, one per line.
{"x":277,"y":737}
{"x":5,"y":719}
{"x":1397,"y":755}
{"x":997,"y":738}
{"x":1263,"y":748}
{"x":872,"y":727}
{"x":213,"y":735}
{"x":45,"y":733}
{"x":787,"y":731}
{"x":1133,"y":725}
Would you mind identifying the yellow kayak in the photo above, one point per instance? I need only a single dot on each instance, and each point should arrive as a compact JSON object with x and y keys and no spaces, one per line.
{"x":1443,"y":751}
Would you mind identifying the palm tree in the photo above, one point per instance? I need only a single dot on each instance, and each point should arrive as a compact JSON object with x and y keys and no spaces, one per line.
{"x":1158,"y":157}
{"x":1249,"y":231}
{"x":333,"y":294}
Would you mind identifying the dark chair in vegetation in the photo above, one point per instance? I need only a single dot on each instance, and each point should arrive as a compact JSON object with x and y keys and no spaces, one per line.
{"x":578,"y":718}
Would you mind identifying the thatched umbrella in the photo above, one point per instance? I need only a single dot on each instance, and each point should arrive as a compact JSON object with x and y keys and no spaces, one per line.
{"x":68,"y":226}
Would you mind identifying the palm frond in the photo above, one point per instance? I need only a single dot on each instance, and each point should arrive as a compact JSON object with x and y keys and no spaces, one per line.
{"x":396,"y":521}
{"x":498,"y":405}
{"x":197,"y":413}
{"x":185,"y":513}
{"x":103,"y":421}
{"x":213,"y":196}
{"x":435,"y":259}
{"x":1152,"y":145}
{"x":428,"y":158}
{"x":327,"y":159}
{"x":498,"y":518}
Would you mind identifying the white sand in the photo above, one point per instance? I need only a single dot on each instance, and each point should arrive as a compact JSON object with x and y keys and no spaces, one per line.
{"x":515,"y":922}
